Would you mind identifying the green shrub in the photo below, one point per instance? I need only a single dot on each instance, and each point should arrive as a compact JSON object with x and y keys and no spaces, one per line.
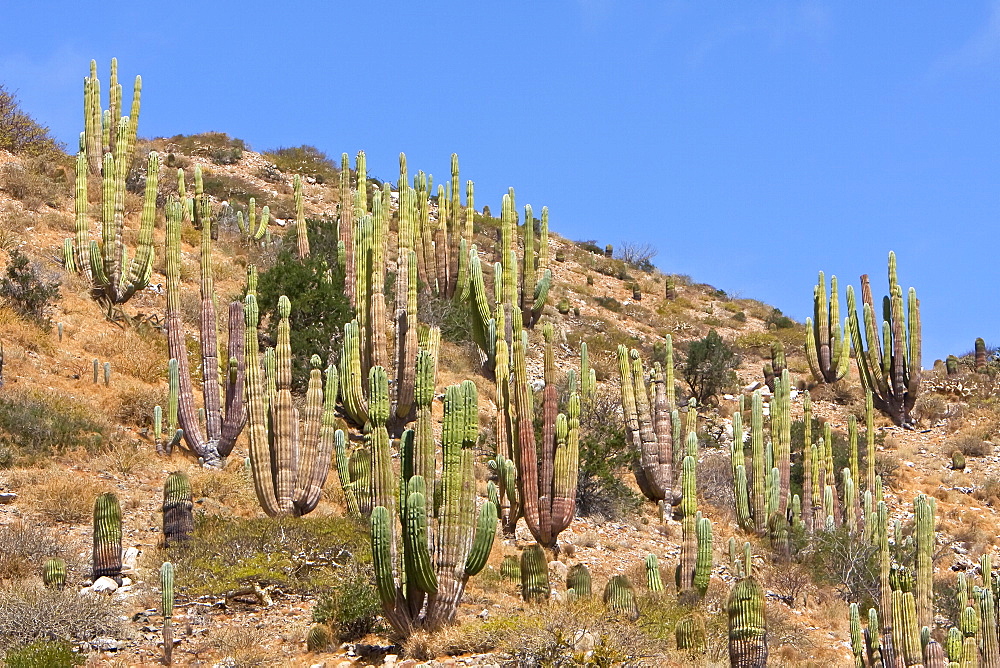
{"x":604,"y":452}
{"x":351,"y":607}
{"x":218,"y":147}
{"x":590,"y":246}
{"x":34,"y":183}
{"x":24,"y":290}
{"x":33,"y":613}
{"x":302,"y":554}
{"x":39,"y":423}
{"x":19,"y":132}
{"x":44,"y":654}
{"x":305,"y":160}
{"x":315,"y":286}
{"x":709,"y":367}
{"x":609,"y":303}
{"x":777,"y":320}
{"x":452,"y":316}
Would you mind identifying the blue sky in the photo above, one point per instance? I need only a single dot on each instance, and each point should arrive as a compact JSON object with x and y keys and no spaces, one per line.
{"x":752,"y":143}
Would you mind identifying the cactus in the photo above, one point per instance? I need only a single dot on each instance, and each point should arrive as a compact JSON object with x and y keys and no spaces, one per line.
{"x":289,"y":464}
{"x":319,"y":638}
{"x":165,"y":443}
{"x":107,"y":538}
{"x":690,"y":633}
{"x":301,"y":229}
{"x":107,"y":374}
{"x":923,"y":514}
{"x":619,"y":597}
{"x":534,"y":575}
{"x":213,"y":442}
{"x":827,"y":347}
{"x":547,"y":472}
{"x":747,"y":625}
{"x":980,"y":358}
{"x":252,"y":227}
{"x":54,"y":573}
{"x":178,"y":522}
{"x":703,"y":562}
{"x":670,"y":288}
{"x":957,"y":460}
{"x":653,"y":580}
{"x":510,"y":568}
{"x":951,"y":365}
{"x":355,"y":474}
{"x":167,"y":606}
{"x":578,"y":581}
{"x":421,"y":581}
{"x":563,"y":306}
{"x":774,"y":368}
{"x":889,"y":366}
{"x":649,"y":427}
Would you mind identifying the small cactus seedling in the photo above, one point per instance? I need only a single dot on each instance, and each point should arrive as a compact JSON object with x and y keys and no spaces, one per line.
{"x":108,"y":537}
{"x":54,"y":574}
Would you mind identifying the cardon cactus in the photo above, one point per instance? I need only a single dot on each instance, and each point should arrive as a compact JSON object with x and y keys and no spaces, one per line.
{"x":289,"y":462}
{"x":319,"y":638}
{"x":578,"y":581}
{"x":165,"y":443}
{"x":167,"y":607}
{"x":178,"y":522}
{"x":534,"y":575}
{"x":889,"y":365}
{"x":108,"y":537}
{"x":827,"y":347}
{"x":619,"y":597}
{"x":951,"y":365}
{"x":510,"y":568}
{"x":423,"y":563}
{"x":355,"y":472}
{"x":747,"y":625}
{"x":690,"y":633}
{"x":54,"y":574}
{"x":213,"y":441}
{"x":980,"y":358}
{"x":653,"y":580}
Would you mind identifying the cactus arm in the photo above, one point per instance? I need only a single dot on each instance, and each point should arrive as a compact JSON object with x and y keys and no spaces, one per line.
{"x":482,"y":543}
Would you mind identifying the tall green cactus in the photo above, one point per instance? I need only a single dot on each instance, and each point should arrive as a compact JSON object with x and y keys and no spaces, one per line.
{"x":923,"y":516}
{"x":889,"y":365}
{"x":165,"y":442}
{"x":747,"y":624}
{"x":212,"y":442}
{"x":301,"y":230}
{"x":178,"y":521}
{"x":547,"y":472}
{"x":253,"y":227}
{"x":534,"y":575}
{"x":167,"y":607}
{"x":289,"y":462}
{"x":421,"y":566}
{"x":827,"y":346}
{"x":107,"y":537}
{"x":649,"y":427}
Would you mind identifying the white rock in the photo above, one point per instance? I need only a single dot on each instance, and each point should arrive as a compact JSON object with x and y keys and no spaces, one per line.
{"x":129,"y":559}
{"x":104,"y":584}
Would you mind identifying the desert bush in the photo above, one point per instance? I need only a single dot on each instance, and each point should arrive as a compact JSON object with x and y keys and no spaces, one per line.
{"x":638,"y":255}
{"x":838,"y":560}
{"x":604,"y":453}
{"x":777,"y":320}
{"x":30,"y":613}
{"x":971,"y":442}
{"x":62,"y":498}
{"x":351,"y":607}
{"x":26,"y":290}
{"x":305,"y":160}
{"x":316,"y":288}
{"x":19,"y":132}
{"x":40,"y":423}
{"x":243,"y":646}
{"x":218,"y":147}
{"x":32,"y":187}
{"x":610,"y":303}
{"x":930,"y":408}
{"x":887,"y":466}
{"x":709,"y":367}
{"x":307,"y":554}
{"x":590,"y":246}
{"x":44,"y":654}
{"x":23,"y":548}
{"x":234,"y":189}
{"x":450,"y":315}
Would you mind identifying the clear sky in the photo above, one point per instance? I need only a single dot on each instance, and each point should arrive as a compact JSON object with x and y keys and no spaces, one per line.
{"x":752,"y":143}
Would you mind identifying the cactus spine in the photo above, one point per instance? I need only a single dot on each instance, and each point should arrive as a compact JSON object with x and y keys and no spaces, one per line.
{"x":290,"y":463}
{"x":421,"y":568}
{"x":167,"y":606}
{"x":54,"y":573}
{"x":827,"y":347}
{"x":213,"y":442}
{"x":178,"y":522}
{"x":108,"y":537}
{"x":889,"y":366}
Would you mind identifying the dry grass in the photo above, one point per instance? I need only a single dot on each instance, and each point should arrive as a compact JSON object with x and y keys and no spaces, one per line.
{"x":23,"y":549}
{"x":31,"y":612}
{"x":243,"y":644}
{"x":64,"y":498}
{"x":139,"y":354}
{"x":24,"y":333}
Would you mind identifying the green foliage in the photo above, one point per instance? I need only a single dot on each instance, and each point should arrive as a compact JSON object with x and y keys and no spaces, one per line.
{"x":218,"y":147}
{"x":36,"y":424}
{"x":36,"y":182}
{"x":305,"y":160}
{"x":19,"y":132}
{"x":351,"y":607}
{"x":709,"y":367}
{"x":315,"y":286}
{"x":305,"y":554}
{"x":777,"y":320}
{"x":452,"y":316}
{"x":850,"y":565}
{"x":44,"y":654}
{"x":603,"y":453}
{"x":24,"y":289}
{"x":609,"y":303}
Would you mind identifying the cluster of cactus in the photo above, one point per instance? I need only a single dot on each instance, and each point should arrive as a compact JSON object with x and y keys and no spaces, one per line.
{"x":889,"y":364}
{"x":165,"y":442}
{"x":827,"y":345}
{"x":426,"y":540}
{"x":289,"y":463}
{"x":252,"y":227}
{"x":212,"y":442}
{"x":746,"y":612}
{"x":652,"y":423}
{"x":167,"y":607}
{"x":523,"y":289}
{"x":695,"y":567}
{"x":774,"y":368}
{"x":107,"y":554}
{"x":107,"y":147}
{"x":178,"y":521}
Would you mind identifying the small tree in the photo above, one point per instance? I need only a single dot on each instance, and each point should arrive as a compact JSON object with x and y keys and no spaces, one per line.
{"x":709,"y":366}
{"x":24,"y":290}
{"x":19,"y":132}
{"x":638,"y":255}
